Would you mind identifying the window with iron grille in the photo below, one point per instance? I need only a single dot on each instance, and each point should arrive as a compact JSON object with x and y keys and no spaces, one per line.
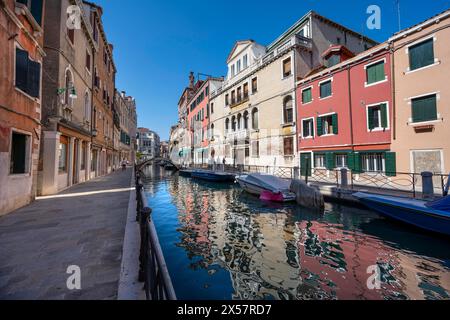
{"x":373,"y":162}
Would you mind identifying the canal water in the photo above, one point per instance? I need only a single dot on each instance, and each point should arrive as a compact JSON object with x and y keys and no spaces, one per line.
{"x":221,"y":243}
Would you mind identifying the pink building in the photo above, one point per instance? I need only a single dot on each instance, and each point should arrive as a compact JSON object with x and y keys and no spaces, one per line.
{"x":344,"y":112}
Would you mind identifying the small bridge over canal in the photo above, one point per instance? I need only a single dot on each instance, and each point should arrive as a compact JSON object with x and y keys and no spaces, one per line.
{"x":164,"y":162}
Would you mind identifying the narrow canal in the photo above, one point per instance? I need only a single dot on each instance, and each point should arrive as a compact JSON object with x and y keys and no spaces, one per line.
{"x":220,"y":243}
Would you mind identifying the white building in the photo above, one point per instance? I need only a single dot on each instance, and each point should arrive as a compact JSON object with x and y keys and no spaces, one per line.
{"x":149,"y":143}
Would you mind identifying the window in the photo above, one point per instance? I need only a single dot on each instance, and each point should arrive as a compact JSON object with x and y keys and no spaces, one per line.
{"x":308,"y":128}
{"x":212,"y":130}
{"x":28,"y":74}
{"x":87,"y":107}
{"x":424,"y":109}
{"x":68,"y":89}
{"x":375,"y":73}
{"x":319,"y":161}
{"x":233,"y":123}
{"x":307,"y":95}
{"x":254,"y":85}
{"x":421,"y":54}
{"x":83,"y":156}
{"x":35,"y":8}
{"x":246,"y":120}
{"x":239,"y":121}
{"x":71,"y":33}
{"x":333,"y":60}
{"x":233,"y":97}
{"x":373,"y":162}
{"x":227,"y":125}
{"x":227,"y":101}
{"x":207,"y":91}
{"x":63,"y":142}
{"x":288,"y":110}
{"x":239,"y":94}
{"x":327,"y":125}
{"x":341,"y":161}
{"x":255,"y":123}
{"x":88,"y":61}
{"x":288,"y":146}
{"x":377,"y":117}
{"x":245,"y":61}
{"x":212,"y":108}
{"x":287,"y":68}
{"x":255,"y":149}
{"x":20,"y":149}
{"x":238,"y":66}
{"x":245,"y":91}
{"x":233,"y":71}
{"x":325,"y":89}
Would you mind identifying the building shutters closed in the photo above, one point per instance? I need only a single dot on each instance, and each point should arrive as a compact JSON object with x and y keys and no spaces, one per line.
{"x":325,"y":89}
{"x":391,"y":164}
{"x":421,"y":55}
{"x":375,"y":73}
{"x":307,"y":95}
{"x":28,"y":74}
{"x":424,"y":109}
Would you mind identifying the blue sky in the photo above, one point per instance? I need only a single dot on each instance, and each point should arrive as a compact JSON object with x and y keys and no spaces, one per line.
{"x":157,"y":43}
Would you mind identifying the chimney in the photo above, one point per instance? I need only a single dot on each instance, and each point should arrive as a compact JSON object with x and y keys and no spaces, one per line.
{"x":191,"y":80}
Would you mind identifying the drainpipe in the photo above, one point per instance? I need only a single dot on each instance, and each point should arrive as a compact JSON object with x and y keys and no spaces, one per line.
{"x":394,"y":111}
{"x":350,"y":107}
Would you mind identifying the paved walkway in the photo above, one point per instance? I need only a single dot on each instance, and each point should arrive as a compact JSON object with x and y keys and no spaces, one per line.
{"x":82,"y":226}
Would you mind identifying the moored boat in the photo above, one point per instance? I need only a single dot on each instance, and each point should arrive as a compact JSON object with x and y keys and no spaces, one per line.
{"x":267,"y":187}
{"x":214,"y":176}
{"x":431,"y":216}
{"x":185,"y":173}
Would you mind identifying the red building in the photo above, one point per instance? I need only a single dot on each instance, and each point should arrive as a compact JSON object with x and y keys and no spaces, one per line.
{"x":345,"y":112}
{"x":198,"y":114}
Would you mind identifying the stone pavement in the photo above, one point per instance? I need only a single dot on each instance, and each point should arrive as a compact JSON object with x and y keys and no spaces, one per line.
{"x":82,"y":226}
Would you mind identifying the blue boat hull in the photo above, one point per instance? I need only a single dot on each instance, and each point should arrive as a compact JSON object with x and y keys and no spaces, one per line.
{"x":421,"y":217}
{"x":213,"y":177}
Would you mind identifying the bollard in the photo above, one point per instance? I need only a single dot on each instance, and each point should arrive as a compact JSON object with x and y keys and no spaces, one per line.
{"x":427,"y":185}
{"x":344,"y":178}
{"x":143,"y":257}
{"x":296,"y":173}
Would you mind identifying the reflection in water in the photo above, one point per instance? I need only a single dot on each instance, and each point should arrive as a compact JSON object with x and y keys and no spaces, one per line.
{"x":221,"y":243}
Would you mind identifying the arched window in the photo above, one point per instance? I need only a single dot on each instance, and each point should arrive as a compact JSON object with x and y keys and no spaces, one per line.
{"x":68,"y":88}
{"x":288,"y":110}
{"x":233,"y":123}
{"x":212,"y":130}
{"x":255,"y":122}
{"x":239,"y":121}
{"x":227,"y":125}
{"x":87,"y":107}
{"x":246,"y":120}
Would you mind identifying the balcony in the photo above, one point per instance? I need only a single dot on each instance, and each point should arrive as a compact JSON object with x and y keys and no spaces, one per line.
{"x":239,"y":101}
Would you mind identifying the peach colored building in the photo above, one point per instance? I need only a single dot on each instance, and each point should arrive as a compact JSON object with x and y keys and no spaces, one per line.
{"x":421,"y":131}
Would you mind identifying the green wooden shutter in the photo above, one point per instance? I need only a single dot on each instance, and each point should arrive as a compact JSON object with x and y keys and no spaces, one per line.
{"x":335,"y":123}
{"x":424,"y":109}
{"x":356,"y":162}
{"x":306,"y":95}
{"x":330,"y":160}
{"x":370,"y":117}
{"x":351,"y":161}
{"x":375,"y":73}
{"x":384,"y":115}
{"x":421,"y":55}
{"x":305,"y":164}
{"x":319,"y":126}
{"x":391,"y":164}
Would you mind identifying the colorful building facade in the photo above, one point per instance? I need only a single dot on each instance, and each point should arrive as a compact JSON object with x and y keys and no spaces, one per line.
{"x":345,"y":113}
{"x":421,"y":56}
{"x":22,"y":53}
